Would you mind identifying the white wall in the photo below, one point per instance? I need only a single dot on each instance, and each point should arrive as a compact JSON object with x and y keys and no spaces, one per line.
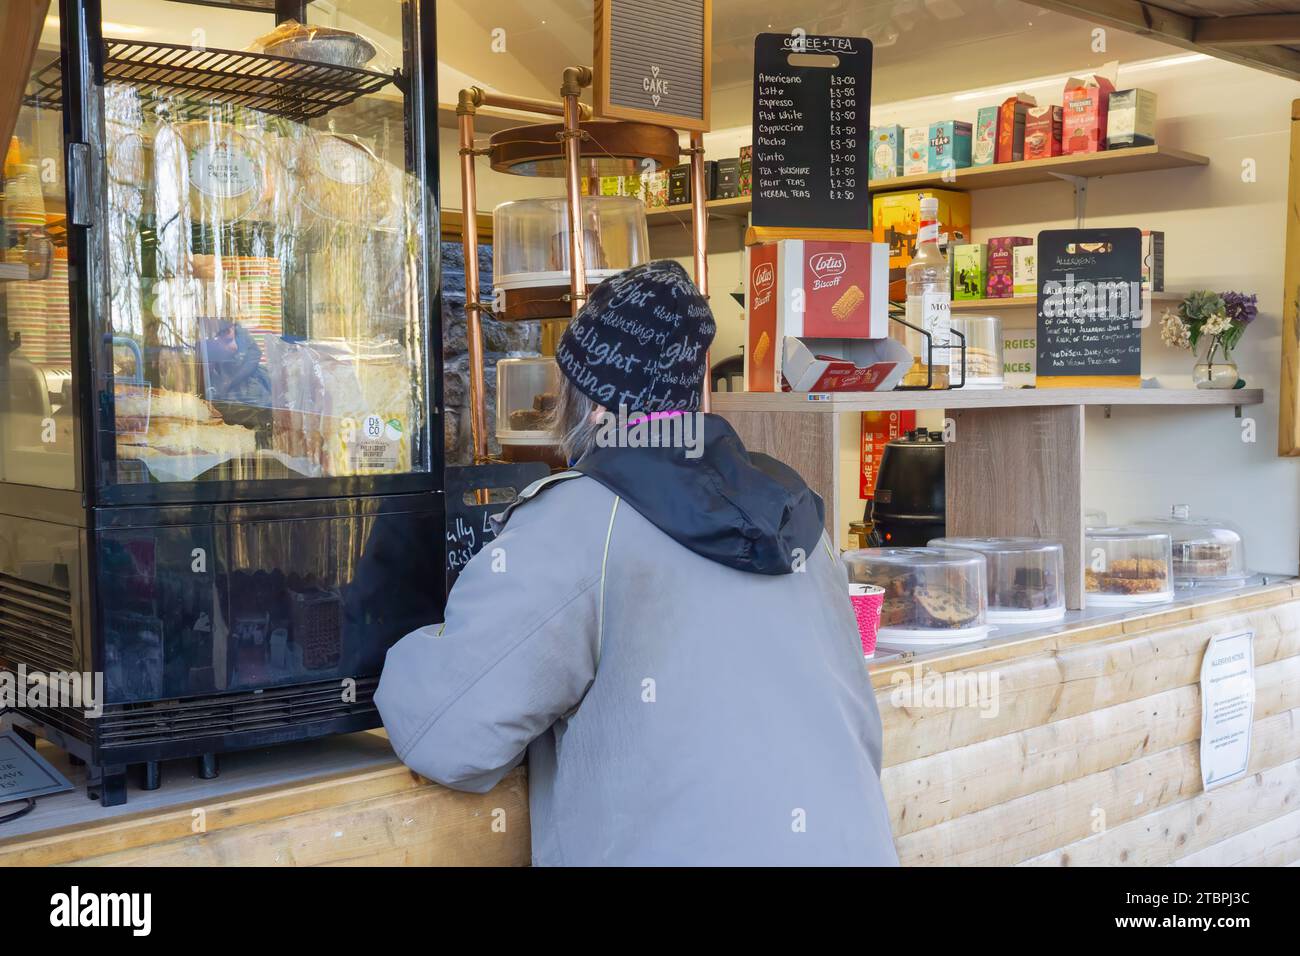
{"x":1221,"y":233}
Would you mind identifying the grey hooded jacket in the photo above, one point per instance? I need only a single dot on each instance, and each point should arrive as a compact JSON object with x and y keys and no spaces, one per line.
{"x":670,"y":640}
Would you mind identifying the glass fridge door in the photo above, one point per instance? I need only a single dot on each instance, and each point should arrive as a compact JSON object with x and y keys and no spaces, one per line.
{"x":264,"y":304}
{"x":37,"y":401}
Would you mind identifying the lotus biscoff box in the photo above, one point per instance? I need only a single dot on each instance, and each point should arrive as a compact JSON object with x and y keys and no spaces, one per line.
{"x":811,"y":290}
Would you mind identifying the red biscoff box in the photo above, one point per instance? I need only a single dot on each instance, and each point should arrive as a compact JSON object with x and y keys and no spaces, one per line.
{"x":812,"y":290}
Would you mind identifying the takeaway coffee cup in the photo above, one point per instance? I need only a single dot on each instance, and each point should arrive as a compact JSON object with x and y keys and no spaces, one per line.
{"x":867,"y":600}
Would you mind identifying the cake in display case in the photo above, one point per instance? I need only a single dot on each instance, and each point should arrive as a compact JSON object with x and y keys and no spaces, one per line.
{"x":983,"y":350}
{"x":527,"y":389}
{"x":530,"y":250}
{"x":219,"y":478}
{"x":934,"y":597}
{"x":1127,"y":566}
{"x":1025,"y":577}
{"x":1206,"y":551}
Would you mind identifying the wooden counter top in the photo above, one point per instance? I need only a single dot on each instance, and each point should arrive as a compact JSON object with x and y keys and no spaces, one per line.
{"x":1084,"y":627}
{"x":338,"y":801}
{"x":1075,"y":744}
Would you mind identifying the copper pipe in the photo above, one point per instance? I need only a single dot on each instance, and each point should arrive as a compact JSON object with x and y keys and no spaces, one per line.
{"x":575,"y":78}
{"x":475,"y":96}
{"x":700,"y":233}
{"x":474,"y":324}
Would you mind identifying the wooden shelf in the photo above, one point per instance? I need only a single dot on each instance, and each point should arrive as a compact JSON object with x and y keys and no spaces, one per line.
{"x":1138,"y":159}
{"x":736,"y":209}
{"x":1031,"y":301}
{"x":1087,"y":165}
{"x":832,"y":402}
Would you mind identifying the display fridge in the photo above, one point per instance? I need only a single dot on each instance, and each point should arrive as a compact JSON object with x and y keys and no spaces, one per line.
{"x":221,"y":461}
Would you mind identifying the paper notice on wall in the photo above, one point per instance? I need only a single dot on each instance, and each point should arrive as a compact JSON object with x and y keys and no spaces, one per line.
{"x":1227,"y":707}
{"x":1019,"y":357}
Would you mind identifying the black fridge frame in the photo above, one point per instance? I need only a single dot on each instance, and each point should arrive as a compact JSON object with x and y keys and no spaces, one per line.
{"x":93,"y":504}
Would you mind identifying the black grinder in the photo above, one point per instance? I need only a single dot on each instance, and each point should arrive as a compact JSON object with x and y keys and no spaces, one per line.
{"x":908,"y":508}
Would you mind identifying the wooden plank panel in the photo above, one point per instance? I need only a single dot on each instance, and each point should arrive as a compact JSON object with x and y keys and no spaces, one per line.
{"x":1249,"y":30}
{"x":806,"y":441}
{"x":1163,"y":21}
{"x":429,"y":826}
{"x":260,"y":810}
{"x":1275,"y":843}
{"x":1019,"y":471}
{"x":21,"y":22}
{"x":1037,"y":690}
{"x":1053,"y":826}
{"x":1188,"y":825}
{"x":1288,"y":428}
{"x":944,"y":786}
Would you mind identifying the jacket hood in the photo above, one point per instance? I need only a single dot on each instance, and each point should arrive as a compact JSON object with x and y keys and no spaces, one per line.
{"x":746,"y":511}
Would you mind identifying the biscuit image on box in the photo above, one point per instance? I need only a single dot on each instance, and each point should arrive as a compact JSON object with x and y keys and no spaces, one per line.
{"x":762,"y":347}
{"x":848,"y":303}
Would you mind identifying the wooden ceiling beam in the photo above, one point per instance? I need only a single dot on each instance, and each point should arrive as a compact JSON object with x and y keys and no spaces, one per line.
{"x":1176,"y":29}
{"x":1255,"y":30}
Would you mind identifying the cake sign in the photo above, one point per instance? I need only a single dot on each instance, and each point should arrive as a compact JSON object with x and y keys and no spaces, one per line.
{"x":653,"y":61}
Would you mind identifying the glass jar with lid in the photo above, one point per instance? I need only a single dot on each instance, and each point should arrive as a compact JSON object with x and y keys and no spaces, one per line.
{"x":1025,"y":577}
{"x":983,"y":351}
{"x":527,"y":390}
{"x":530,"y":250}
{"x":934,"y":597}
{"x":1127,"y":566}
{"x":1206,"y":551}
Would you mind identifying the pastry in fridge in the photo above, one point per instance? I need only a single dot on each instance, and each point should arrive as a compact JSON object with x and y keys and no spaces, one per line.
{"x":136,"y":405}
{"x":340,"y":409}
{"x":158,"y":422}
{"x":173,"y":437}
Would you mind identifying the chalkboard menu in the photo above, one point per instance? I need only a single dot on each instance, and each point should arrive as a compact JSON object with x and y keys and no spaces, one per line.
{"x":468,"y":523}
{"x":812,"y":146}
{"x":1090,"y":314}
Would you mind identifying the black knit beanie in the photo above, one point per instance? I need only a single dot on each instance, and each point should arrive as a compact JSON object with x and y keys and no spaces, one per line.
{"x":641,"y":341}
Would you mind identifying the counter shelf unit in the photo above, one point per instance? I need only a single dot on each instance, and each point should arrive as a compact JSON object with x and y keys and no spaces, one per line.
{"x":1073,"y":168}
{"x":1014,"y":465}
{"x":1031,"y":301}
{"x":282,"y":86}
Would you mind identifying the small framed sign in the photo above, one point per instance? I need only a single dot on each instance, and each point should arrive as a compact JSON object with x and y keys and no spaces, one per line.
{"x":1090,"y":308}
{"x":24,"y":773}
{"x":469,"y":524}
{"x":653,"y":62}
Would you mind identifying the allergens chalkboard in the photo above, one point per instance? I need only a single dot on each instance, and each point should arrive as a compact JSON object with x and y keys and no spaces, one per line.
{"x":1090,"y":313}
{"x":469,"y":524}
{"x":812,"y":101}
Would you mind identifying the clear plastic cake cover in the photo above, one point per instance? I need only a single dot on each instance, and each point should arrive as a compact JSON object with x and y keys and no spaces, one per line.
{"x":1127,"y":566}
{"x":530,"y":239}
{"x":1205,"y":550}
{"x":932,"y":595}
{"x":983,"y":350}
{"x":526,"y":393}
{"x":1025,"y":576}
